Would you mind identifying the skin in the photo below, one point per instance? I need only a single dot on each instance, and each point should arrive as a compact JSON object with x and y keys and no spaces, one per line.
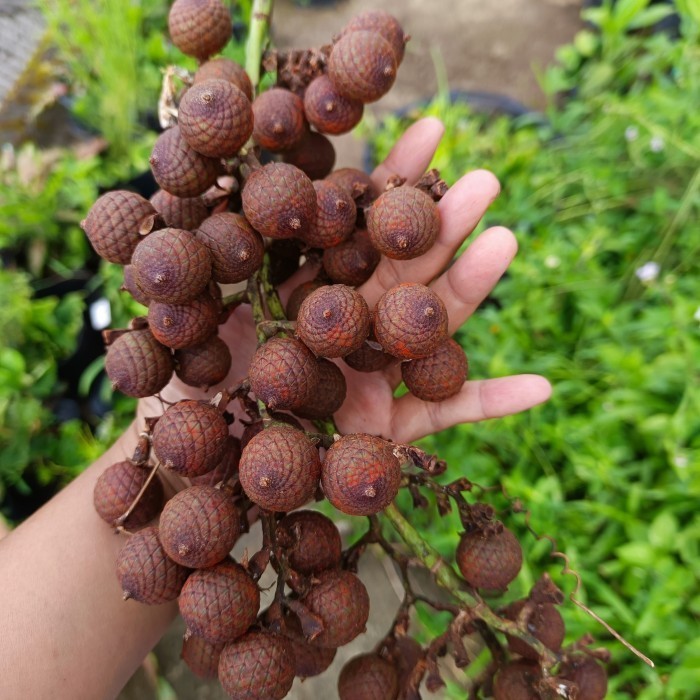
{"x":66,"y":631}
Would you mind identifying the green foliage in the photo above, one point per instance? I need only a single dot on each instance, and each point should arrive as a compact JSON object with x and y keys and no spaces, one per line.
{"x":611,"y":465}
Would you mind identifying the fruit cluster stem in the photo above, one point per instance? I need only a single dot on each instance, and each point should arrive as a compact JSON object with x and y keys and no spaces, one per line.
{"x":272,"y":298}
{"x":258,"y":34}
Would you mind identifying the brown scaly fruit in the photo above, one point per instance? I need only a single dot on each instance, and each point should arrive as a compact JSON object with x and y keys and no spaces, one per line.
{"x":283,"y":374}
{"x":330,"y":395}
{"x":259,"y":665}
{"x":410,"y":321}
{"x":279,"y":201}
{"x":180,"y":212}
{"x":362,"y":66}
{"x":129,"y":285}
{"x":279,"y":120}
{"x":314,"y":155}
{"x":201,"y":657}
{"x":360,"y":474}
{"x":333,"y":321}
{"x":204,"y":365}
{"x":438,"y":376}
{"x":199,"y":526}
{"x":329,"y":111}
{"x":252,"y":429}
{"x":280,"y":469}
{"x":357,"y":184}
{"x":116,"y":224}
{"x":236,"y":249}
{"x":383,"y":23}
{"x":517,"y":680}
{"x":190,"y":437}
{"x":179,"y":169}
{"x":368,"y":676}
{"x":311,"y":540}
{"x":215,"y":118}
{"x":543,"y":621}
{"x":138,"y":365}
{"x":116,"y":490}
{"x":219,"y":603}
{"x":171,"y":266}
{"x":226,"y":469}
{"x":353,"y":261}
{"x":299,"y":294}
{"x":335,"y":216}
{"x":340,"y":599}
{"x":199,"y":28}
{"x":309,"y":660}
{"x":588,"y":675}
{"x":145,"y":571}
{"x":225,"y":69}
{"x":184,"y":325}
{"x":403,"y":223}
{"x":369,"y":359}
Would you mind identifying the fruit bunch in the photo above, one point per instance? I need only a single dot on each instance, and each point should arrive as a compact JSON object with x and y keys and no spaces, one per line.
{"x":247,"y":196}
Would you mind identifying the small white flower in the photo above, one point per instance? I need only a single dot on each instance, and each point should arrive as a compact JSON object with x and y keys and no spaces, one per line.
{"x":648,"y":272}
{"x":552,"y":262}
{"x":681,"y":461}
{"x":656,"y":144}
{"x":696,"y":315}
{"x":631,"y":133}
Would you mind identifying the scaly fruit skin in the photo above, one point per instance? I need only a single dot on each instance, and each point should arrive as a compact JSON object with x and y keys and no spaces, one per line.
{"x":201,"y":657}
{"x":357,"y":184}
{"x":340,"y":599}
{"x":283,"y":374}
{"x":590,"y":677}
{"x":330,"y":395}
{"x":129,"y":285}
{"x":368,"y":359}
{"x":146,"y":573}
{"x":199,"y":28}
{"x":113,"y":224}
{"x":298,"y":295}
{"x":336,"y":214}
{"x":279,"y":201}
{"x":171,"y":266}
{"x":517,"y":681}
{"x":333,"y":321}
{"x":219,"y":603}
{"x":252,"y":429}
{"x":360,"y":474}
{"x":329,"y":111}
{"x":116,"y":490}
{"x":489,"y":560}
{"x":199,"y":526}
{"x":362,"y":66}
{"x":279,"y":120}
{"x":236,"y":249}
{"x":204,"y":365}
{"x":215,"y":118}
{"x":314,"y":155}
{"x":403,"y":223}
{"x":314,"y":539}
{"x":368,"y":677}
{"x":225,"y":69}
{"x":280,"y":469}
{"x":544,"y":622}
{"x":351,"y":262}
{"x":438,"y":376}
{"x":190,"y":437}
{"x":259,"y":665}
{"x":383,"y":23}
{"x":310,"y":661}
{"x":180,"y":212}
{"x":410,"y":321}
{"x":138,"y":365}
{"x":185,"y":325}
{"x":226,"y":469}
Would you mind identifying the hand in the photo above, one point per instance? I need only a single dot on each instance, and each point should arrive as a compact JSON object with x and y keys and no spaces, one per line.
{"x":370,"y":405}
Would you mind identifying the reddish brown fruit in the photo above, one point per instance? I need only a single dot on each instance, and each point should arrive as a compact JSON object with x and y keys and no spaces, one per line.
{"x":280,"y":469}
{"x":279,"y":201}
{"x":360,"y":474}
{"x":116,"y":223}
{"x":298,"y":295}
{"x":489,"y":560}
{"x":251,"y":430}
{"x":333,"y":321}
{"x":310,"y":661}
{"x":201,"y":657}
{"x":279,"y":120}
{"x":199,"y":28}
{"x":180,"y":212}
{"x":312,"y":541}
{"x":236,"y":249}
{"x":204,"y":365}
{"x":314,"y":155}
{"x":588,"y":675}
{"x":438,"y":376}
{"x":226,"y":469}
{"x":283,"y":374}
{"x":259,"y":665}
{"x":138,"y":365}
{"x":116,"y":490}
{"x":368,"y":676}
{"x":368,"y":359}
{"x":357,"y":184}
{"x":146,"y":573}
{"x":335,"y":216}
{"x":351,"y":262}
{"x":340,"y":599}
{"x":199,"y":526}
{"x":362,"y":66}
{"x":184,"y":325}
{"x":171,"y":266}
{"x":329,"y":396}
{"x":190,"y":437}
{"x":215,"y":118}
{"x":179,"y":169}
{"x":129,"y":285}
{"x":225,"y":69}
{"x":219,"y":603}
{"x":410,"y":321}
{"x":329,"y":111}
{"x":403,"y":223}
{"x":544,"y":622}
{"x":383,"y":23}
{"x":517,"y":681}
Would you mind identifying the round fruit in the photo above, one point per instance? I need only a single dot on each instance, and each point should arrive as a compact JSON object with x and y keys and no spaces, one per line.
{"x":329,"y":396}
{"x":184,"y":325}
{"x":279,"y":120}
{"x":280,"y":469}
{"x":544,"y":622}
{"x":368,"y":676}
{"x":438,"y":376}
{"x":204,"y":365}
{"x":314,"y":541}
{"x":201,"y":657}
{"x":298,"y":295}
{"x":489,"y":560}
{"x":517,"y":681}
{"x":190,"y":437}
{"x":310,"y":661}
{"x":138,"y":365}
{"x":335,"y":216}
{"x":383,"y":23}
{"x":225,"y":69}
{"x":252,"y":429}
{"x":357,"y":184}
{"x":226,"y":469}
{"x":360,"y":474}
{"x":588,"y":675}
{"x":180,"y":212}
{"x":199,"y":28}
{"x":314,"y":155}
{"x":329,"y":111}
{"x":129,"y":285}
{"x":368,"y":359}
{"x":219,"y":603}
{"x":351,"y":262}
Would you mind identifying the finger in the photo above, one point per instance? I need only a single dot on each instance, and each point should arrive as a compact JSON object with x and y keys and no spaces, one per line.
{"x":461,"y":209}
{"x":478,"y":400}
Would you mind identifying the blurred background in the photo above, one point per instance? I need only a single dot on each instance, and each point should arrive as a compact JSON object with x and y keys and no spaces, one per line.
{"x":588,"y":114}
